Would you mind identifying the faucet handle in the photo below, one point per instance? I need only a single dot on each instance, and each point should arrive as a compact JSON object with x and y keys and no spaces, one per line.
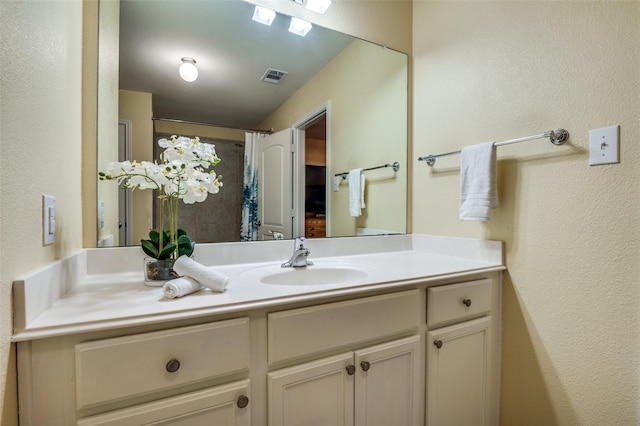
{"x":301,"y":242}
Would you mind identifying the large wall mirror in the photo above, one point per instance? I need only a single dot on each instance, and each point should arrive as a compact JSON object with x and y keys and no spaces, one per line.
{"x":340,"y":102}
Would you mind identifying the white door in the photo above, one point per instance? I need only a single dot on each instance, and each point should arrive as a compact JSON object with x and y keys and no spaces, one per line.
{"x":388,"y":384}
{"x":313,"y":394}
{"x":458,"y":371}
{"x":275,"y":204}
{"x":124,"y":195}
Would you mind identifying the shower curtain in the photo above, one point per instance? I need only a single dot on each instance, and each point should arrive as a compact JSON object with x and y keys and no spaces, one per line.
{"x":249,"y":228}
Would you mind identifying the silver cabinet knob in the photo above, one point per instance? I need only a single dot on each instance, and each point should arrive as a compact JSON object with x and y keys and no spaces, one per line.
{"x":242,"y":401}
{"x":173,"y":365}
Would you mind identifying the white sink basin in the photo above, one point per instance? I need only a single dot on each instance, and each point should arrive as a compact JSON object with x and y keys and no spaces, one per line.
{"x":317,"y":274}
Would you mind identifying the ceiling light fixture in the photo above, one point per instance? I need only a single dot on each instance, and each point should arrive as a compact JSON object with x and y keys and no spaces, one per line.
{"x":263,"y":15}
{"x":318,"y":6}
{"x":299,"y":27}
{"x":188,"y":70}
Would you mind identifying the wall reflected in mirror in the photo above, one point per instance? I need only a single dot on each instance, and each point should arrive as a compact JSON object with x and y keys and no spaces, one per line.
{"x":363,"y":84}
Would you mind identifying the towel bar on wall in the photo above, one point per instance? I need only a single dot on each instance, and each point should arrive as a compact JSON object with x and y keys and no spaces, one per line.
{"x":396,"y":167}
{"x":556,"y":137}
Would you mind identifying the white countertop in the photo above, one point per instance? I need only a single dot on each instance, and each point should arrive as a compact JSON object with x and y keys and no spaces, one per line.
{"x":79,"y":295}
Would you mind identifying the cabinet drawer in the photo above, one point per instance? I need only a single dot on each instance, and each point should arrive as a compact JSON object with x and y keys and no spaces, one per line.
{"x":334,"y":326}
{"x":448,"y":304}
{"x":216,"y":406}
{"x":119,"y":368}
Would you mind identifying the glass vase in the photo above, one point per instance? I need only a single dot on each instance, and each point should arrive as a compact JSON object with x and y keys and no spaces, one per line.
{"x":157,"y":272}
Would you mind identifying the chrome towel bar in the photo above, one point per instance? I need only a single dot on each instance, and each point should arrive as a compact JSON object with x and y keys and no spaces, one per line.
{"x":556,"y":137}
{"x":396,"y":167}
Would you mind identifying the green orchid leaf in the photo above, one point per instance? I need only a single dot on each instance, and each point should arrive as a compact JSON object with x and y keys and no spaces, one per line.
{"x":166,"y":251}
{"x":154,"y":236}
{"x":149,"y":248}
{"x":185,"y":246}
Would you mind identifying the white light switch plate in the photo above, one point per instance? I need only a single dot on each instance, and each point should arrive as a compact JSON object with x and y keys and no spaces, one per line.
{"x":604,"y":146}
{"x":48,"y":220}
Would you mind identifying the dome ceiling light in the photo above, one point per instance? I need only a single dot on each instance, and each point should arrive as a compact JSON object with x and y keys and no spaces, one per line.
{"x":188,"y":70}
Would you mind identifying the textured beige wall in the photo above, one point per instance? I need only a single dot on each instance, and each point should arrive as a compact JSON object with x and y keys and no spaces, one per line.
{"x":107,"y":127}
{"x":136,"y":107}
{"x":500,"y":70}
{"x":40,"y":150}
{"x":367,"y":120}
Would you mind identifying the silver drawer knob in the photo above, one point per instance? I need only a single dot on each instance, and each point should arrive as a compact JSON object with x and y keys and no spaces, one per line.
{"x":242,"y":401}
{"x":173,"y":365}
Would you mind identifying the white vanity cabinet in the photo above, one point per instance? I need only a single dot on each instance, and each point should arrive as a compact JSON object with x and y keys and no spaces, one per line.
{"x":417,"y":344}
{"x":368,"y":385}
{"x":179,"y":376}
{"x":375,"y":386}
{"x":463,"y":354}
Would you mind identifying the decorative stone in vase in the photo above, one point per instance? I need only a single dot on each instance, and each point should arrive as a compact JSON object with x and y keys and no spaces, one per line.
{"x":157,"y":272}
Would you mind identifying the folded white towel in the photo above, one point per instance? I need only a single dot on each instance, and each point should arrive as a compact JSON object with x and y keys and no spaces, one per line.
{"x":356,"y":192}
{"x":478,"y":181}
{"x":179,"y":287}
{"x":207,"y":277}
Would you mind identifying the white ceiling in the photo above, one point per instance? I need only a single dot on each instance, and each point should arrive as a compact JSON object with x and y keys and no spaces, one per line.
{"x":232,"y":53}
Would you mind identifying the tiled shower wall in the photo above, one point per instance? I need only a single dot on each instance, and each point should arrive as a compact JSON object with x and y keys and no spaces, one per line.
{"x":218,"y":218}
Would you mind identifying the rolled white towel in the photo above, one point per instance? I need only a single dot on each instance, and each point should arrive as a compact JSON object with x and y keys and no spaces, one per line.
{"x":207,"y":277}
{"x":179,"y":287}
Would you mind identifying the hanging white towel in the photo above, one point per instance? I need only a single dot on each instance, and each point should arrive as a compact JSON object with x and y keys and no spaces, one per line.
{"x":356,"y":192}
{"x":336,"y":183}
{"x":478,"y":181}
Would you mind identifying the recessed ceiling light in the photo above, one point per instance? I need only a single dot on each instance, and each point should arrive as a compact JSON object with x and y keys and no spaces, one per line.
{"x":188,"y":70}
{"x":263,"y":15}
{"x":318,"y":6}
{"x":299,"y":27}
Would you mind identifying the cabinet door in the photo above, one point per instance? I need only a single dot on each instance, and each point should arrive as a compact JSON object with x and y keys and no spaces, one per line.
{"x":315,"y":393}
{"x":388,"y":384}
{"x":458,"y":371}
{"x":221,"y":406}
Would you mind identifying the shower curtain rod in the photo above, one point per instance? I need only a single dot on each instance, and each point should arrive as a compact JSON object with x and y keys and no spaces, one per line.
{"x":226,"y":126}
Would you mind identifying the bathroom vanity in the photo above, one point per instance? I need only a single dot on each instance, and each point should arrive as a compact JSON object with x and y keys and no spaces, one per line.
{"x":401,"y":330}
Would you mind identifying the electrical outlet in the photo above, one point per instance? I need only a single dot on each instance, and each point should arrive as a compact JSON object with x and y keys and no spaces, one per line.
{"x":48,"y":220}
{"x":604,"y":146}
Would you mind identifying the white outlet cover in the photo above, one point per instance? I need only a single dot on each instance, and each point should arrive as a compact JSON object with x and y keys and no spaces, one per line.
{"x":604,"y":146}
{"x":48,"y":220}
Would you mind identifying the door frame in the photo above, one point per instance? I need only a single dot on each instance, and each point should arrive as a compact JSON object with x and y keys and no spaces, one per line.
{"x":298,"y":171}
{"x":125,"y":211}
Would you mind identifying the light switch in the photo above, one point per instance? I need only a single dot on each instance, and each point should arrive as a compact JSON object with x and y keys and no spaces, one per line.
{"x":101,"y":214}
{"x":604,"y":146}
{"x":48,"y":220}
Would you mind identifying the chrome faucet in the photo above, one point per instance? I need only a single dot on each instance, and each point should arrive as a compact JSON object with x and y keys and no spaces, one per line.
{"x":300,"y":253}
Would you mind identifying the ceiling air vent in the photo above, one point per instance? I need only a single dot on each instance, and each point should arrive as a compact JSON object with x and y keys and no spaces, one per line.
{"x":273,"y":76}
